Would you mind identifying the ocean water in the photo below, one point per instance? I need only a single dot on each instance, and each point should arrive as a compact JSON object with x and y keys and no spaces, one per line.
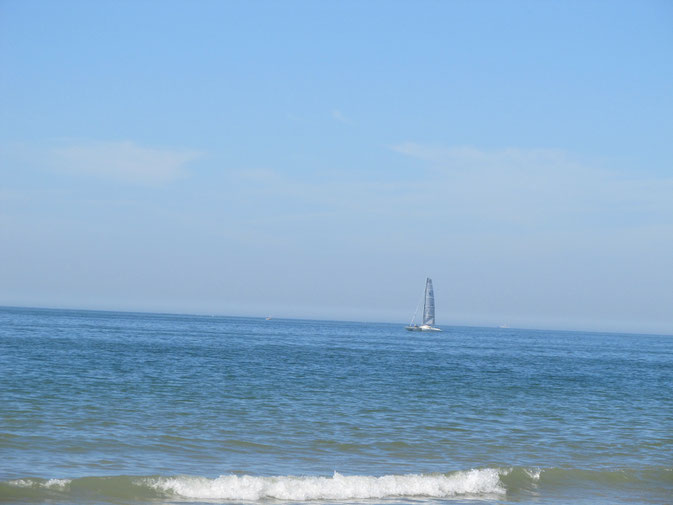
{"x":103,"y":407}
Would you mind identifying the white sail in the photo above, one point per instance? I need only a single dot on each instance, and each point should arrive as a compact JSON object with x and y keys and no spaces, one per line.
{"x":429,"y":307}
{"x":428,"y":311}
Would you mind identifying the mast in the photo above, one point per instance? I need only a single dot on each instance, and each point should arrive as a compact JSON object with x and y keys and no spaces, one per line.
{"x":429,"y":306}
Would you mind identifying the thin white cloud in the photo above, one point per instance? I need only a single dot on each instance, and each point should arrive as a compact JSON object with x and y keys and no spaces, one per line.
{"x":467,"y":157}
{"x":537,"y":186}
{"x":338,"y":115}
{"x":123,"y":161}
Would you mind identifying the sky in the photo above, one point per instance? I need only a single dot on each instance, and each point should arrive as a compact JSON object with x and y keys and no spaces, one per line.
{"x":321,"y":159}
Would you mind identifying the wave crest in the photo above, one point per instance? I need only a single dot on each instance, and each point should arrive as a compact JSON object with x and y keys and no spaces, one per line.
{"x":484,"y":482}
{"x":337,"y":487}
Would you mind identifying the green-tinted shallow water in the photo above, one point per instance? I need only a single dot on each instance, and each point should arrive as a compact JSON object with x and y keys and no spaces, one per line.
{"x":99,"y":407}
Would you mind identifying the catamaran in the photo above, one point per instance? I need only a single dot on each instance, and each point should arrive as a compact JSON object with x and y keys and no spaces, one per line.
{"x":428,"y":311}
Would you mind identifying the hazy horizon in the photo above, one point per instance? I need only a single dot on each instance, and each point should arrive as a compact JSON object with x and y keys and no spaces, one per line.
{"x":400,"y":323}
{"x":320,"y":160}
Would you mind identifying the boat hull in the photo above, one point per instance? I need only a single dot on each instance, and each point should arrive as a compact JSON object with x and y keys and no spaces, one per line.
{"x":424,"y":327}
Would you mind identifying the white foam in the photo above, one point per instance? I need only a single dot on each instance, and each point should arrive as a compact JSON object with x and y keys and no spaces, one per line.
{"x":20,"y":483}
{"x":533,"y":473}
{"x":49,"y":484}
{"x":337,"y":487}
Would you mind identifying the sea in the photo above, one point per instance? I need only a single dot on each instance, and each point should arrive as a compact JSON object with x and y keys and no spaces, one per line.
{"x":128,"y":408}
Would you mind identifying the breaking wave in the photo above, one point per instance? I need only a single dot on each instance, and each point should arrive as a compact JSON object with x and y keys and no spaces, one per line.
{"x":338,"y":487}
{"x":252,"y":488}
{"x":484,"y":482}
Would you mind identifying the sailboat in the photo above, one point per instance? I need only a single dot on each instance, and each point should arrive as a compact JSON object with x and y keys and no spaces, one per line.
{"x":428,"y":311}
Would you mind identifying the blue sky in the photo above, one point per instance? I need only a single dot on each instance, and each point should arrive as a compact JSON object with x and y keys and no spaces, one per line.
{"x":319,"y":159}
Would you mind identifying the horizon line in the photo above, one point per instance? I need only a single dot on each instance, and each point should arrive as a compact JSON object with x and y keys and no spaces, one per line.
{"x":141,"y":312}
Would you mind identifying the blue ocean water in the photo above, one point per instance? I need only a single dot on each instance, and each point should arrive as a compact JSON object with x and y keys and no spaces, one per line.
{"x":104,"y":407}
